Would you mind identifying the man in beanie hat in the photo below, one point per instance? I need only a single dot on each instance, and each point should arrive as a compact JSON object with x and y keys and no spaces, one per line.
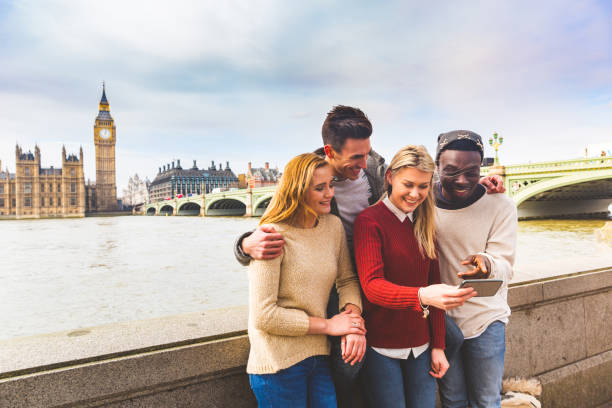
{"x":478,"y":231}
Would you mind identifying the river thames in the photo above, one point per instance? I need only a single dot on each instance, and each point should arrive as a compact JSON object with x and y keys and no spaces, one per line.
{"x":66,"y":274}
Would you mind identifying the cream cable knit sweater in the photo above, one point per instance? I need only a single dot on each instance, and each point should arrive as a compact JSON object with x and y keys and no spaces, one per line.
{"x":488,"y":227}
{"x":285,"y":291}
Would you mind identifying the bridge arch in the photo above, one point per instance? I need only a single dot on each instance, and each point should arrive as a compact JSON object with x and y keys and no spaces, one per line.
{"x":226,"y":206}
{"x":166,"y":209}
{"x":259,"y":207}
{"x":550,"y":184}
{"x":151,"y":211}
{"x":189,"y":208}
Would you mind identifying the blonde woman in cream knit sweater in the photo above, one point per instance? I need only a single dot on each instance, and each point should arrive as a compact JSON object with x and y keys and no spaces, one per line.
{"x":288,"y":362}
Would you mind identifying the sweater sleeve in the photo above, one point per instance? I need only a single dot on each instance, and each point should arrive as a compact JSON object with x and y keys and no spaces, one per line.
{"x":347,"y":282}
{"x":501,"y":244}
{"x":437,"y":321}
{"x":367,"y":237}
{"x":267,"y":315}
{"x":241,"y":257}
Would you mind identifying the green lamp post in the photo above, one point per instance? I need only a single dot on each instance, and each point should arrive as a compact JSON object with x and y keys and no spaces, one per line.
{"x":496,"y":141}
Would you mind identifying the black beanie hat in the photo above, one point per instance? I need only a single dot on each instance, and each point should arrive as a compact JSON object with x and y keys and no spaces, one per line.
{"x":445,"y":139}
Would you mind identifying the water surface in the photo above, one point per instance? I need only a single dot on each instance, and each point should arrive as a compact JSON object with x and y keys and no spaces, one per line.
{"x":66,"y":274}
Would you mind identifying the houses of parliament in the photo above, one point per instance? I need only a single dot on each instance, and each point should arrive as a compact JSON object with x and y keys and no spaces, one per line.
{"x":37,"y":192}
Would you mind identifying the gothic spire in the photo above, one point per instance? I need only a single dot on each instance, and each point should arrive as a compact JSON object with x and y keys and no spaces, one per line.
{"x":103,"y":100}
{"x":104,"y":113}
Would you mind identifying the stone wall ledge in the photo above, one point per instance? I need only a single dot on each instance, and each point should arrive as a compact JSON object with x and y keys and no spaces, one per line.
{"x":560,"y":332}
{"x":536,"y":292}
{"x":129,"y":377}
{"x":28,"y":355}
{"x":584,"y":381}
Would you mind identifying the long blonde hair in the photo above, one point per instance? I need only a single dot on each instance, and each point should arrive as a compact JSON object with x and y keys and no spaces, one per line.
{"x":424,"y":215}
{"x":289,"y":201}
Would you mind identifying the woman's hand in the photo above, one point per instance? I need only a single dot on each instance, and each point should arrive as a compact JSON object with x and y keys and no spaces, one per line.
{"x":345,"y":323}
{"x":444,"y":296}
{"x":353,"y":348}
{"x":439,"y":364}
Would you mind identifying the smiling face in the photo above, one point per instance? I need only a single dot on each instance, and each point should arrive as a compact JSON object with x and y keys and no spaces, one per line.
{"x":409,"y":187}
{"x":320,"y":192}
{"x":459,"y":173}
{"x":351,"y":159}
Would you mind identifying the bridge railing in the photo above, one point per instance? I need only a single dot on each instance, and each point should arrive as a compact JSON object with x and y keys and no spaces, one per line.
{"x":589,"y":163}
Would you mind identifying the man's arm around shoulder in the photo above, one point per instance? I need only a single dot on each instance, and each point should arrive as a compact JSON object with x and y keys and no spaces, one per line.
{"x":494,"y":184}
{"x":263,"y":243}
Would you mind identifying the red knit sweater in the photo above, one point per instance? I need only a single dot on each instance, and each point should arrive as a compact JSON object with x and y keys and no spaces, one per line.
{"x":391,"y":270}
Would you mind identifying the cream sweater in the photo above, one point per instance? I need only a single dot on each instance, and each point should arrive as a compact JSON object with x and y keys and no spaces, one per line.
{"x":488,"y":227}
{"x":285,"y":291}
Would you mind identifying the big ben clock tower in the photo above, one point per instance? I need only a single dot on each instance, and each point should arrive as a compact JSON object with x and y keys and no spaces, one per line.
{"x":104,"y":139}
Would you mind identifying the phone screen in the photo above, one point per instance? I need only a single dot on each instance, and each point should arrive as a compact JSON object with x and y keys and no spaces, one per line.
{"x":484,"y":287}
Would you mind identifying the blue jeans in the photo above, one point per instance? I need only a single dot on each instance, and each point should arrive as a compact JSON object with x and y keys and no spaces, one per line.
{"x":453,"y":338}
{"x":305,"y":384}
{"x":475,"y":373}
{"x":399,"y":383}
{"x":344,"y":375}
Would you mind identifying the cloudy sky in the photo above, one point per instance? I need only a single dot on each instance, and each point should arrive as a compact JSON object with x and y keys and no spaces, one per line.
{"x":252,"y":80}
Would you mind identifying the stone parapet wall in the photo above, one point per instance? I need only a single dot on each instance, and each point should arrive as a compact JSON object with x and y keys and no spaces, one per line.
{"x":560,"y":332}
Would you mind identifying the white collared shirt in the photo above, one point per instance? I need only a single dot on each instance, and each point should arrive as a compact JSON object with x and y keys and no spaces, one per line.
{"x":400,"y":353}
{"x":396,"y":211}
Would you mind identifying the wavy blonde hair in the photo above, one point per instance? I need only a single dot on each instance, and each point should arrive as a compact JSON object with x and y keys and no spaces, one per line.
{"x":289,"y":201}
{"x":424,"y":215}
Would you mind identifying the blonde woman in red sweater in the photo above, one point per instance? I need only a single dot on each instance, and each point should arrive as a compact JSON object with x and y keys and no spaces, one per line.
{"x":398,"y":269}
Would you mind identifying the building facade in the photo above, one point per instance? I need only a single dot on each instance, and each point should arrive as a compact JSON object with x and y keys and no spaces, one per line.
{"x":172,"y":181}
{"x":136,"y":192}
{"x":262,"y":176}
{"x":35,"y":192}
{"x":104,"y":198}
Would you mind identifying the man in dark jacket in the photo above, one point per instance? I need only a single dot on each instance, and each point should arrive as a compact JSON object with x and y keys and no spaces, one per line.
{"x":358,"y":183}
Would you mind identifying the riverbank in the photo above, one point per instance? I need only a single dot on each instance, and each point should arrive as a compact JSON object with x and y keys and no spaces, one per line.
{"x":68,"y":216}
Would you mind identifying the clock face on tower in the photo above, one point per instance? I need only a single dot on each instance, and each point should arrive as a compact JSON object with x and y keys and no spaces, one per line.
{"x":105,"y":133}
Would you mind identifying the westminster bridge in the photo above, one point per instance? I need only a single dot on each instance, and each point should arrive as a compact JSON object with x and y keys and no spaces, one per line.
{"x":558,"y":188}
{"x":544,"y":189}
{"x":245,"y":202}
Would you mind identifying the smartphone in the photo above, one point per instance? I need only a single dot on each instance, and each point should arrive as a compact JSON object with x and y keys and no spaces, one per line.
{"x":484,"y":287}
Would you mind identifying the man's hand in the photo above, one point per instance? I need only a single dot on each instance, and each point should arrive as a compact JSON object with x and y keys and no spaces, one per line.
{"x":481,"y":270}
{"x":494,"y":184}
{"x":263,"y":243}
{"x":353,"y":348}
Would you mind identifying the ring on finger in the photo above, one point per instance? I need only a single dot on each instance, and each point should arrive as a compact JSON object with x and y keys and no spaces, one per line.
{"x":355,"y":324}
